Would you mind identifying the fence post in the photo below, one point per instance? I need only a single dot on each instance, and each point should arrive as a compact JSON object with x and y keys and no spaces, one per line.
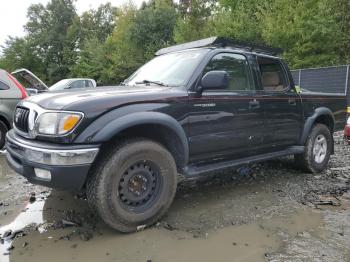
{"x":299,"y":84}
{"x":347,"y":80}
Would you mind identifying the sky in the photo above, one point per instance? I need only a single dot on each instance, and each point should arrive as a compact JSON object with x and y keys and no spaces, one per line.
{"x":14,"y":13}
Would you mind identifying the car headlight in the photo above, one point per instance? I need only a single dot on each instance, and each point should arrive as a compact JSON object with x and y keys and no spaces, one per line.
{"x":57,"y":123}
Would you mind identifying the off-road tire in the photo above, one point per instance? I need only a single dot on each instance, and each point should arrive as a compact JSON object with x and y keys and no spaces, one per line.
{"x":307,"y":160}
{"x":3,"y":131}
{"x":103,"y":187}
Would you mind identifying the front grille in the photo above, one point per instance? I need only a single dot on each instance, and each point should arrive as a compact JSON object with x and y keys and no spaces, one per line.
{"x":21,"y":119}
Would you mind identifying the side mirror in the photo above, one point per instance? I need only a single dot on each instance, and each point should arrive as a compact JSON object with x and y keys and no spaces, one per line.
{"x":32,"y":91}
{"x":215,"y":80}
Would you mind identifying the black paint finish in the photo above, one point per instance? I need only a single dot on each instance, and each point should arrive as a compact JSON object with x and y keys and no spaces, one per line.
{"x":213,"y":126}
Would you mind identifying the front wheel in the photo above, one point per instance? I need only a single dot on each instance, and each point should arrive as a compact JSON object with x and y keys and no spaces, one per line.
{"x":134,"y":186}
{"x":317,"y":150}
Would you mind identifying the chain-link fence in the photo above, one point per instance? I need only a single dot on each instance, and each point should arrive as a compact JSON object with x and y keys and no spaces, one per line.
{"x":335,"y":79}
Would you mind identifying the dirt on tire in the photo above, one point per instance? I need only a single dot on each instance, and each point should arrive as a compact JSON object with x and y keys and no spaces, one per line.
{"x":103,"y":192}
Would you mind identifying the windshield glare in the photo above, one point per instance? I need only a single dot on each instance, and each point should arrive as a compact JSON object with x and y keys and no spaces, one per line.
{"x":173,"y":69}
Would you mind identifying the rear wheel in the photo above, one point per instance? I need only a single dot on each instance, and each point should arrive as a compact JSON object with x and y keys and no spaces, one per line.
{"x":3,"y":131}
{"x":134,"y":186}
{"x":317,"y":150}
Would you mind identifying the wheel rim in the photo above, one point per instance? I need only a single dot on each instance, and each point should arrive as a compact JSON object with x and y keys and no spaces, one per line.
{"x":320,"y":149}
{"x":139,"y":186}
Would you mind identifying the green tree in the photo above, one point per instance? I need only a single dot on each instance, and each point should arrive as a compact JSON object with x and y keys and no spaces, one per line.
{"x":153,"y":27}
{"x":108,"y":44}
{"x":95,"y":26}
{"x":91,"y":62}
{"x":51,"y":34}
{"x":98,"y":23}
{"x":136,"y":37}
{"x":240,"y":19}
{"x":342,"y":16}
{"x":306,"y":30}
{"x":193,"y":21}
{"x":18,"y":53}
{"x":121,"y":54}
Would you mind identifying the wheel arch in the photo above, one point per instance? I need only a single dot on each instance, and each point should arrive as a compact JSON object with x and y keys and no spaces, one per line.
{"x":156,"y":126}
{"x":322,"y":115}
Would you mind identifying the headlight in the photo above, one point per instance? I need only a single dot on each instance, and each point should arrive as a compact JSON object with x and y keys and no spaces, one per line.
{"x":56,"y":123}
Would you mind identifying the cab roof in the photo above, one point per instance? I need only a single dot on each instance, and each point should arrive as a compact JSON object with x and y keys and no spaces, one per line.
{"x":220,"y":42}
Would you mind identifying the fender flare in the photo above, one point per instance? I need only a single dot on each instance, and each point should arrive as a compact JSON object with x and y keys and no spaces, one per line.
{"x":138,"y":118}
{"x":321,"y":111}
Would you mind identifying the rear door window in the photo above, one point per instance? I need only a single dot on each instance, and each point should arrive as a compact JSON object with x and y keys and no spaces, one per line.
{"x":273,"y":77}
{"x":3,"y":86}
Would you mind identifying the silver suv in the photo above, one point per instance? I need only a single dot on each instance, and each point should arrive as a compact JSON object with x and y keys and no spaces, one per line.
{"x":11,"y":92}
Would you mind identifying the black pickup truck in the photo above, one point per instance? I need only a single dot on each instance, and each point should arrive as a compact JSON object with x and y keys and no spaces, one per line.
{"x":195,"y":108}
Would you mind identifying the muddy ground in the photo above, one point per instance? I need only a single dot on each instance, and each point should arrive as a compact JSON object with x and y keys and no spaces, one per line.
{"x":266,"y":212}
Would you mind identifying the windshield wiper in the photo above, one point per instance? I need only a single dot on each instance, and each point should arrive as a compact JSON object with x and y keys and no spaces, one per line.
{"x":151,"y":82}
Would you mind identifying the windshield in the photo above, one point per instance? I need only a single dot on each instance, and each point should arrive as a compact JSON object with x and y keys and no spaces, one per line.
{"x":173,"y":69}
{"x":60,"y":85}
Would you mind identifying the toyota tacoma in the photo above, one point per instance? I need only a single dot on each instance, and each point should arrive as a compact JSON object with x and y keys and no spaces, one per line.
{"x":196,"y":108}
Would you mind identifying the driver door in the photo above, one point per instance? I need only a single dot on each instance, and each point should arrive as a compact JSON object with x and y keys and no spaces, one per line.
{"x":227,"y":122}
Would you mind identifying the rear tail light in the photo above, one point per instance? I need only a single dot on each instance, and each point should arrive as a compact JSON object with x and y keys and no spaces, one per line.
{"x":19,"y":86}
{"x":347,"y":132}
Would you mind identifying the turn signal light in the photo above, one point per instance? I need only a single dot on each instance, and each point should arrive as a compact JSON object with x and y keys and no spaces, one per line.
{"x":70,"y":122}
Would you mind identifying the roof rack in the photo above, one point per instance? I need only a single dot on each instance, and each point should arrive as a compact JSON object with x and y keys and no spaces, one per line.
{"x":222,"y":42}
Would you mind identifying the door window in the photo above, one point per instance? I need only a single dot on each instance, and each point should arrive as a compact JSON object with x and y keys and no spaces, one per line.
{"x":3,"y":86}
{"x":78,"y":84}
{"x":237,"y":68}
{"x":273,"y":78}
{"x":88,"y":83}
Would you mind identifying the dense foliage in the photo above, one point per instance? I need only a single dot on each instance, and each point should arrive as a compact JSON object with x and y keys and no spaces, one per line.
{"x":109,"y":43}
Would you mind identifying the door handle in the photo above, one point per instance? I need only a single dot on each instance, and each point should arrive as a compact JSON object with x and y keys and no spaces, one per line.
{"x":254,"y":104}
{"x":292,"y":102}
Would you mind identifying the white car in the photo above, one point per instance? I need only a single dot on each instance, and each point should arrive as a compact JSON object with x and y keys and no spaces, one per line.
{"x":73,"y":83}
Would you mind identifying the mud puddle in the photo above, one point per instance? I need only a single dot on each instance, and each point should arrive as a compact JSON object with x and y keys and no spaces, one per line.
{"x":331,"y":243}
{"x":266,"y":212}
{"x":14,"y":192}
{"x":246,"y":242}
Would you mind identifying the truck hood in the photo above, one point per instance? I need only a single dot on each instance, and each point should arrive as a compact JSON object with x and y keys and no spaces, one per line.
{"x":102,"y":98}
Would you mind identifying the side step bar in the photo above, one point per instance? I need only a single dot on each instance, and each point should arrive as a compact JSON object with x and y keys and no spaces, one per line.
{"x":194,"y":171}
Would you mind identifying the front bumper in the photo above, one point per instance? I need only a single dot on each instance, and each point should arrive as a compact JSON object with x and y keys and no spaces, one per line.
{"x":68,"y":165}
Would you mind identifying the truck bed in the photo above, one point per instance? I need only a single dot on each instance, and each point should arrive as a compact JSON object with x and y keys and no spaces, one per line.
{"x":337,"y":103}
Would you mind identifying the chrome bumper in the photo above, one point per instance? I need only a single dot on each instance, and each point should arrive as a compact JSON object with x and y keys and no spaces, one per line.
{"x":52,"y":157}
